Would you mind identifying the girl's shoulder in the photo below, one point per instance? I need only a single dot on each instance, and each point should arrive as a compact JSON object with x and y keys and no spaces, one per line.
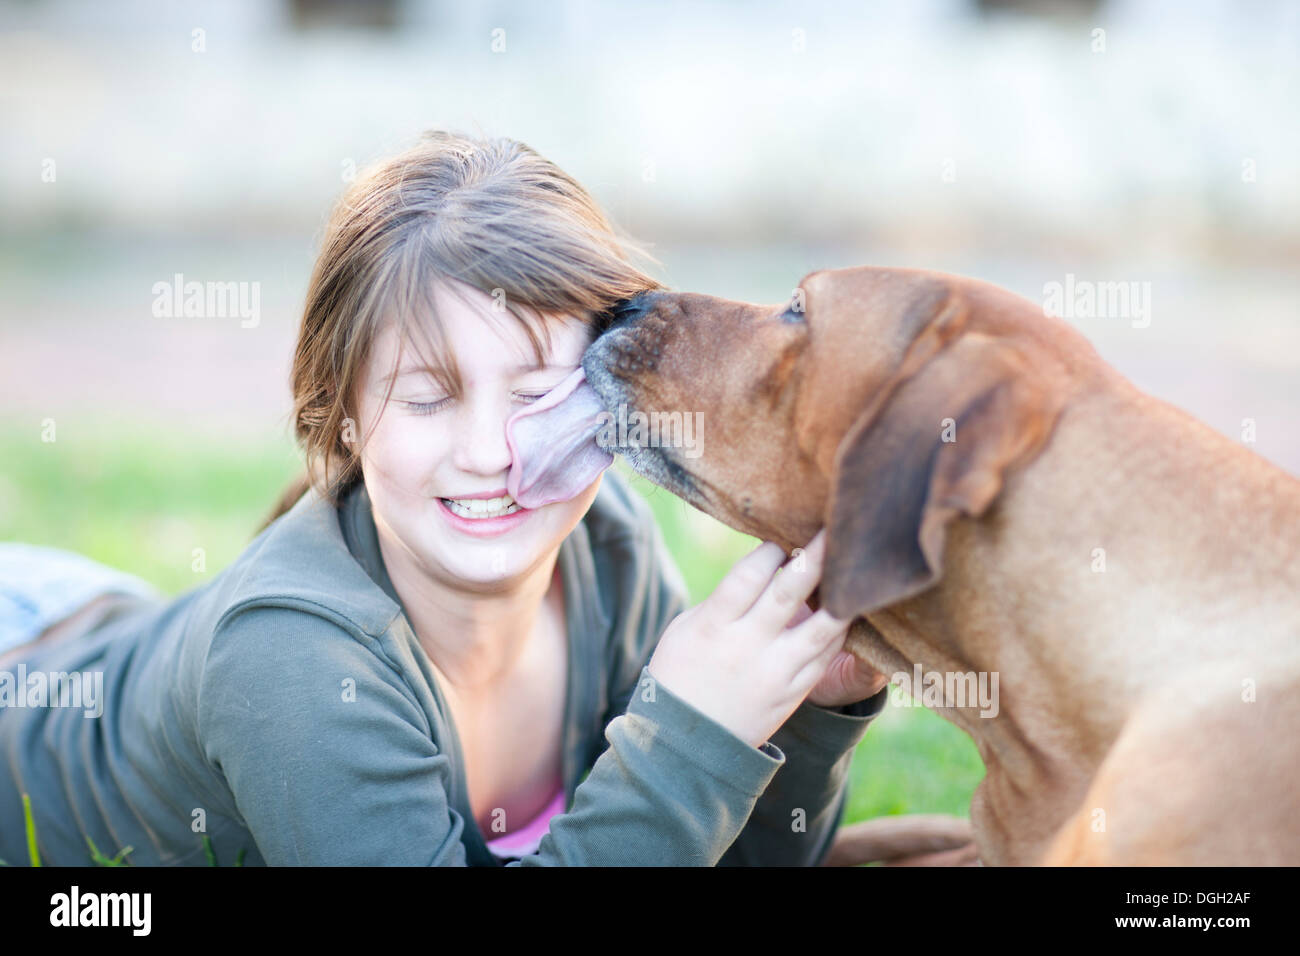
{"x":302,"y":563}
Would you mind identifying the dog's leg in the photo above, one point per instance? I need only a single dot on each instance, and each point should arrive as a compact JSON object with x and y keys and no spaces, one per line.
{"x":1203,"y":774}
{"x":913,"y":836}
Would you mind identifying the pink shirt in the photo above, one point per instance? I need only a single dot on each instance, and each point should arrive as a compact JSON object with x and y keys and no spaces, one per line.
{"x":524,"y":841}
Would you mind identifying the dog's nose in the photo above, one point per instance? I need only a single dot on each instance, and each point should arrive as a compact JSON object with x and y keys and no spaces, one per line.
{"x":628,"y":311}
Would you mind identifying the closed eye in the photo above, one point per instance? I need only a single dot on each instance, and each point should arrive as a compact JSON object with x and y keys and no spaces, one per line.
{"x":428,"y":408}
{"x":425,"y":408}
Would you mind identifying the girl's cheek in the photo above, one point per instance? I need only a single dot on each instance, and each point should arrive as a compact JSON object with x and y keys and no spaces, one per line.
{"x":408,"y":450}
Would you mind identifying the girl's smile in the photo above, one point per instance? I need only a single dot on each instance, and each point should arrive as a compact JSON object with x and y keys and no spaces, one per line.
{"x":499,"y":515}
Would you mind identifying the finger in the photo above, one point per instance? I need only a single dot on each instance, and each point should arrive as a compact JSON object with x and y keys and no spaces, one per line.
{"x":841,"y":669}
{"x":816,"y":642}
{"x":780,"y":601}
{"x":801,"y":614}
{"x":814,"y":672}
{"x":737,"y":591}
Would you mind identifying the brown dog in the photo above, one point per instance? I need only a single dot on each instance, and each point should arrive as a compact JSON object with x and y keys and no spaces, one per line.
{"x":1001,"y":501}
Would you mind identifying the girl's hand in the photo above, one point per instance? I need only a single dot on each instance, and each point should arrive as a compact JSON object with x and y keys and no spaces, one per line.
{"x":847,"y":680}
{"x":737,"y":656}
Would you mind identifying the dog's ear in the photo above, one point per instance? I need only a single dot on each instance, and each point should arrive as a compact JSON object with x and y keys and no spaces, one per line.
{"x":936,"y":447}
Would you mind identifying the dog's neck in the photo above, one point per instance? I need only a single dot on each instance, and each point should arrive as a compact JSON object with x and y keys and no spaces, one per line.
{"x":1092,"y":584}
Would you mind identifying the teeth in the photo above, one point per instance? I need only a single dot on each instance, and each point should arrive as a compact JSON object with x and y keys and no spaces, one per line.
{"x":482,"y":507}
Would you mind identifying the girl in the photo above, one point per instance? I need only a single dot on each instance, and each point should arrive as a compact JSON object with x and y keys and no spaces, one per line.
{"x":404,"y":666}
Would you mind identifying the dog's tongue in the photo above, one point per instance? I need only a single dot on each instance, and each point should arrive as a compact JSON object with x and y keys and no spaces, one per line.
{"x":553,"y":444}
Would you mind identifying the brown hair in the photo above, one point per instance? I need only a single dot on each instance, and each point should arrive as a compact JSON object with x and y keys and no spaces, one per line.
{"x":489,"y":212}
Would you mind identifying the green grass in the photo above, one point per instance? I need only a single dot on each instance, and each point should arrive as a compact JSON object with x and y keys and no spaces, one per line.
{"x":143,"y":500}
{"x":912,"y":761}
{"x":139,"y":499}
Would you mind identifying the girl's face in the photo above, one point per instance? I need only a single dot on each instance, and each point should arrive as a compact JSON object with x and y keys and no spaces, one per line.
{"x":427,"y":446}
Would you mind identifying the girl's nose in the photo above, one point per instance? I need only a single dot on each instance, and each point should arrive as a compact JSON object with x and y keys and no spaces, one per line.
{"x":481,"y":446}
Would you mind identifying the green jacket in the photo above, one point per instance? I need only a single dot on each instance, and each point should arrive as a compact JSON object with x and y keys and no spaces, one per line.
{"x":286,"y":710}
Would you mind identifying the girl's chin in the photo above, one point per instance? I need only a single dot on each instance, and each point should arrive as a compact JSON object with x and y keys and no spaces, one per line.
{"x":487,"y":574}
{"x":492,"y":557}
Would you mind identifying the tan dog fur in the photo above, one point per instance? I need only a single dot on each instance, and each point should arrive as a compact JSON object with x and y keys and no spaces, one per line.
{"x":1126,"y":732}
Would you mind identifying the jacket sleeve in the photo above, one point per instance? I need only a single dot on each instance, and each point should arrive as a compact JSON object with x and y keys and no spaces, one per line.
{"x":330,"y":760}
{"x":674,"y":788}
{"x":794,"y":822}
{"x":795,"y":818}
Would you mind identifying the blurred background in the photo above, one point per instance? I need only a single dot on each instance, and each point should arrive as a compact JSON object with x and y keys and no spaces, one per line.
{"x":746,"y":144}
